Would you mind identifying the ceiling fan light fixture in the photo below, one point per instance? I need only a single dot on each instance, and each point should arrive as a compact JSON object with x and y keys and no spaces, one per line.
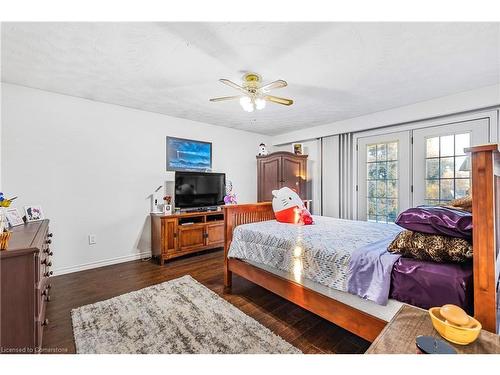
{"x":254,"y":94}
{"x":247,"y":104}
{"x":245,"y":100}
{"x":260,"y":103}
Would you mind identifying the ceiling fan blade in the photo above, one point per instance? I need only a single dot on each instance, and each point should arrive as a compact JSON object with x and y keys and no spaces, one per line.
{"x":274,"y":85}
{"x":278,"y":100}
{"x":222,"y":98}
{"x":233,"y":85}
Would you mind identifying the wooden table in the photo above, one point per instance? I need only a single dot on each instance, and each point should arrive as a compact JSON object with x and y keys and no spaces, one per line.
{"x":398,"y":336}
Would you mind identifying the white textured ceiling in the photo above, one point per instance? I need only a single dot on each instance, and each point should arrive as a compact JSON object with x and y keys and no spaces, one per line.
{"x":335,"y":71}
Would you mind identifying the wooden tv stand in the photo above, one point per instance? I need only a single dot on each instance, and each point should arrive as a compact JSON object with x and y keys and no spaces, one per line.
{"x":180,"y":234}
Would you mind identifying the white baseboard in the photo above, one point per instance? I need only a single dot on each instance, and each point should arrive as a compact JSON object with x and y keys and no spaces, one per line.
{"x":101,"y":263}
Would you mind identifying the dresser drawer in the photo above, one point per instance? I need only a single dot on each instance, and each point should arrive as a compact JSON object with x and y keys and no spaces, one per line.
{"x":41,"y":298}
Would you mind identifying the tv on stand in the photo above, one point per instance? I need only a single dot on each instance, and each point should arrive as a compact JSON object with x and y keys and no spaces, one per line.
{"x":199,"y":191}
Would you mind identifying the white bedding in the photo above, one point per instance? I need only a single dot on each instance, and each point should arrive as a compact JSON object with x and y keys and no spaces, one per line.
{"x":319,"y":253}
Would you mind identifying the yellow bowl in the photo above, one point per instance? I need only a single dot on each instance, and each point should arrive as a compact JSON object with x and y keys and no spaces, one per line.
{"x":461,"y":335}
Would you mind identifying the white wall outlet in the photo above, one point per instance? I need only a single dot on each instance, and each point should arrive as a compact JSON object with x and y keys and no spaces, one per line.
{"x":91,"y":239}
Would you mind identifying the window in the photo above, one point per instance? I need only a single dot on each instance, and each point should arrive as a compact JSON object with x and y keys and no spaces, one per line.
{"x":444,"y":181}
{"x":382,"y":182}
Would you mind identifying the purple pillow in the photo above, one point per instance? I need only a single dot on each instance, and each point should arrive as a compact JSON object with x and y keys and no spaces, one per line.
{"x":437,"y":220}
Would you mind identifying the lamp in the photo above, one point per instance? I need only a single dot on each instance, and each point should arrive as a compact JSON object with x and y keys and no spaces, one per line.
{"x":260,"y":103}
{"x":250,"y":104}
{"x":154,"y":200}
{"x":465,"y":167}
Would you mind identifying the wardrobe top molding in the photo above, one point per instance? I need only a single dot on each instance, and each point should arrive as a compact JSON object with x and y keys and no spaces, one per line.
{"x":282,"y":153}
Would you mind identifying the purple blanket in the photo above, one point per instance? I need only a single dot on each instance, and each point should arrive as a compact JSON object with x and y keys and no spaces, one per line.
{"x":370,"y":268}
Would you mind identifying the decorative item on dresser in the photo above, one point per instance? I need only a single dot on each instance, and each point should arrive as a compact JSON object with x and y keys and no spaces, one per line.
{"x":278,"y":170}
{"x":184,"y":233}
{"x":25,"y":275}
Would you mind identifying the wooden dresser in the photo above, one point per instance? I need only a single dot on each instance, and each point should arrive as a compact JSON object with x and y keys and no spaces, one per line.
{"x":180,"y":234}
{"x":278,"y":170}
{"x":25,"y":287}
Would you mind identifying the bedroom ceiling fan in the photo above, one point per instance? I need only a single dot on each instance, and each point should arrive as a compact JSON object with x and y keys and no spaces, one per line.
{"x":253,"y":95}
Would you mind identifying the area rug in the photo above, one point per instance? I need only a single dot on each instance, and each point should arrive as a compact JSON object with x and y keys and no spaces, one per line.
{"x":177,"y":316}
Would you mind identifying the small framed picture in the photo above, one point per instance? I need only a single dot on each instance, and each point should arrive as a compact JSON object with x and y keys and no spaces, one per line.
{"x":13,"y":217}
{"x":167,"y":209}
{"x":298,"y":148}
{"x":33,"y":213}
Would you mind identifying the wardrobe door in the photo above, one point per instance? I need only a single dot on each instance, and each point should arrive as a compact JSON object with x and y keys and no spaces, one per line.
{"x":293,"y":174}
{"x":268,"y":177}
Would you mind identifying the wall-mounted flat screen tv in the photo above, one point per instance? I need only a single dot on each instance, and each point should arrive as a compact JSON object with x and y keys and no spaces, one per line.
{"x":188,"y":155}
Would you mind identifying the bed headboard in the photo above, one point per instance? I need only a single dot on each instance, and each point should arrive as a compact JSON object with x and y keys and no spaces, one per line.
{"x":485,"y":167}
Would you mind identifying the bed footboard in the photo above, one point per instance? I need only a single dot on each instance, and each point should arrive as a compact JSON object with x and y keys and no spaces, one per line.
{"x":238,"y":214}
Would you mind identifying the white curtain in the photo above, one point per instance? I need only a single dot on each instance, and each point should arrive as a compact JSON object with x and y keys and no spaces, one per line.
{"x":337,"y":170}
{"x":346,"y":176}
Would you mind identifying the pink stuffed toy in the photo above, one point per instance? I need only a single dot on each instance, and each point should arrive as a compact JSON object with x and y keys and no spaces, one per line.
{"x":289,"y":208}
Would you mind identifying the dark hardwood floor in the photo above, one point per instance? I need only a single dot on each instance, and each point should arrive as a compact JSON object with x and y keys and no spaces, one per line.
{"x":306,"y":331}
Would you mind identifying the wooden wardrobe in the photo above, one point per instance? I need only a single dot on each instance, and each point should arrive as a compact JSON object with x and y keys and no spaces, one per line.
{"x":280,"y":169}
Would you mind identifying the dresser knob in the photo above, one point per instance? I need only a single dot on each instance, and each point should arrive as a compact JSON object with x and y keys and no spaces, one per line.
{"x":48,"y":273}
{"x":46,"y":262}
{"x":45,"y":292}
{"x":49,"y":234}
{"x":47,"y":298}
{"x":49,"y":241}
{"x":45,"y":322}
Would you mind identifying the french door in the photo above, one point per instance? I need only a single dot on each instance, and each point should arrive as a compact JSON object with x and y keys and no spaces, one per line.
{"x":383,"y":176}
{"x":440,"y":173}
{"x":415,"y":167}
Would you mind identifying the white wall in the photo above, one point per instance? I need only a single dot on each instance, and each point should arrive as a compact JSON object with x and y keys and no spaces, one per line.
{"x":447,"y":105}
{"x":312,"y":148}
{"x":92,"y":166}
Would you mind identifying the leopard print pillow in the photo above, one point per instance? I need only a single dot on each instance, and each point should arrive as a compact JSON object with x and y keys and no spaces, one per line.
{"x":431,"y":247}
{"x":464,"y":203}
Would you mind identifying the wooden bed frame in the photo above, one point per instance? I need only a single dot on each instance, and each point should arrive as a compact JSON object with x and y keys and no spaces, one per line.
{"x":485,"y":161}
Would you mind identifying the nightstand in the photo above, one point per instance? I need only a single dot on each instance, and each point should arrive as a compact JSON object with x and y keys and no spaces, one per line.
{"x":398,"y":336}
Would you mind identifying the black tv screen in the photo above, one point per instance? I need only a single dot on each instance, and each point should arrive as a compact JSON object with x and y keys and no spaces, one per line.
{"x":199,"y":189}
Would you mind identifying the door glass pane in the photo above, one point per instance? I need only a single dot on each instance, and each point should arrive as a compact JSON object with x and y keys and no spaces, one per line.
{"x":382,"y":182}
{"x":432,"y":150}
{"x":459,"y":160}
{"x":461,"y":141}
{"x":446,"y":146}
{"x":392,"y":151}
{"x":444,"y":181}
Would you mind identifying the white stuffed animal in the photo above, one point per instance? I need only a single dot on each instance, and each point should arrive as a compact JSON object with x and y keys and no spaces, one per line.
{"x":289,"y":208}
{"x":263,"y":150}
